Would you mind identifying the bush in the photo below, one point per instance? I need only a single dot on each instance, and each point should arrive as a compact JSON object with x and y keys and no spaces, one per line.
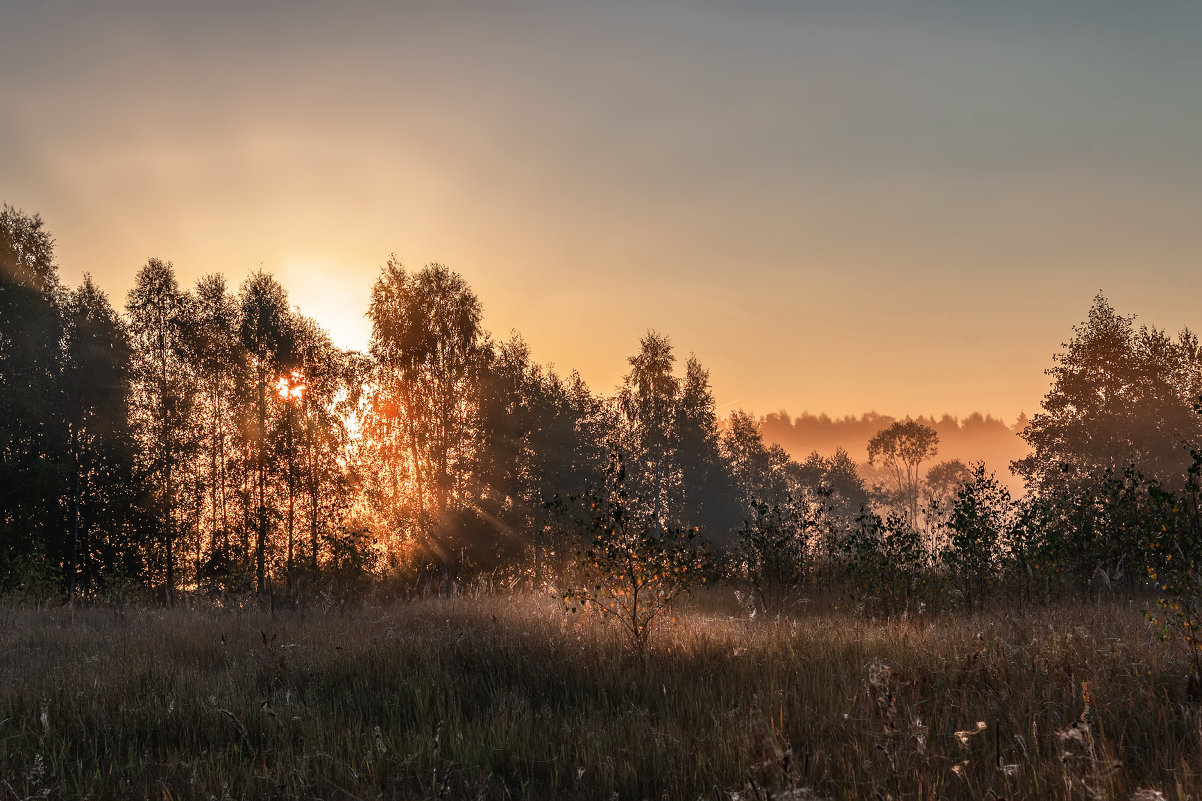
{"x":1174,"y":556}
{"x":775,"y":550}
{"x":890,"y":556}
{"x":630,"y":566}
{"x":978,"y":533}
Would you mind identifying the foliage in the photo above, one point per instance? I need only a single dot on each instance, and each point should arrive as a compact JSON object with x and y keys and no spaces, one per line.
{"x":757,"y":469}
{"x":103,"y":486}
{"x":1119,"y":397}
{"x":630,"y":566}
{"x":532,"y":427}
{"x":33,"y":434}
{"x":352,"y":563}
{"x":213,"y":443}
{"x":265,"y":334}
{"x":667,"y":425}
{"x":647,"y":402}
{"x":162,"y":397}
{"x":944,"y":480}
{"x":428,"y":352}
{"x":777,"y":549}
{"x":978,"y":532}
{"x":901,"y":448}
{"x":836,"y":477}
{"x":888,"y":563}
{"x":1088,"y":532}
{"x":1175,"y":565}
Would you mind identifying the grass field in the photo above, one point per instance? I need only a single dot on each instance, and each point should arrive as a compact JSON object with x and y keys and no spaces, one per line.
{"x":508,"y":697}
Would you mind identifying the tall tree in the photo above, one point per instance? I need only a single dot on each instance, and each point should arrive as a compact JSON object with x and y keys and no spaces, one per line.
{"x":163,"y":391}
{"x":33,"y":437}
{"x":532,"y":425}
{"x":759,"y":471}
{"x":318,"y":434}
{"x":708,"y":496}
{"x":901,"y":448}
{"x":219,"y":365}
{"x":1119,"y":397}
{"x":648,"y":401}
{"x":514,"y":411}
{"x":428,"y":348}
{"x":96,"y":393}
{"x":265,"y":333}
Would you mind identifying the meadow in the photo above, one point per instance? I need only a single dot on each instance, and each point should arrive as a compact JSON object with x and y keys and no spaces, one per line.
{"x":508,"y":696}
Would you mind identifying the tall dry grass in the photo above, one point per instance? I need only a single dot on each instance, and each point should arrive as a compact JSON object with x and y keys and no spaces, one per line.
{"x":508,"y":697}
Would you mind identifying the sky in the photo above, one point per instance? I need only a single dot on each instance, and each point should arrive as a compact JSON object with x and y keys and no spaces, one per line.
{"x":838,"y":206}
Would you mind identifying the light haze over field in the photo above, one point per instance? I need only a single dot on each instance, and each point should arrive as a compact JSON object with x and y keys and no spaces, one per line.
{"x":838,"y":206}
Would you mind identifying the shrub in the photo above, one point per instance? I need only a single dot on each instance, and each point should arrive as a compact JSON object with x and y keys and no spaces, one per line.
{"x":775,"y":550}
{"x":1174,"y":556}
{"x":630,"y":566}
{"x":888,"y":555}
{"x":978,"y":528}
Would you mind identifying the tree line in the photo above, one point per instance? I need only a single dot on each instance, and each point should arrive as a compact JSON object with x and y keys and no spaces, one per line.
{"x":213,"y":441}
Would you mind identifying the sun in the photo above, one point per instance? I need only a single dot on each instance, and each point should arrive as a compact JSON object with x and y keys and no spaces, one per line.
{"x":291,"y":386}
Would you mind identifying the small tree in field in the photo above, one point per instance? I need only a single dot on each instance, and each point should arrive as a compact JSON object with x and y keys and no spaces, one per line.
{"x":978,"y":526}
{"x":630,"y":566}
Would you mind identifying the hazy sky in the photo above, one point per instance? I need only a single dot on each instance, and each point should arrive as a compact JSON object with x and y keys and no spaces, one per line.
{"x":839,"y":206}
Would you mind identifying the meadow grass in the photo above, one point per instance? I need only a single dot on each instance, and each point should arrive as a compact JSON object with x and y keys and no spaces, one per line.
{"x":506,"y":696}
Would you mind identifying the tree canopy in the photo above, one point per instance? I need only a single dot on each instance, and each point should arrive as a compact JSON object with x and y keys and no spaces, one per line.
{"x":1121,"y":396}
{"x":901,"y":448}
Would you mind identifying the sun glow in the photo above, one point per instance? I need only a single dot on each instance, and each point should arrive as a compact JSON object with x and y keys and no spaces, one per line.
{"x":291,"y":386}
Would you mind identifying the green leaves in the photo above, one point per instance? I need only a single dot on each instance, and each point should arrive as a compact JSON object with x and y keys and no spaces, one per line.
{"x":634,"y":565}
{"x":1173,"y":552}
{"x":775,"y":545}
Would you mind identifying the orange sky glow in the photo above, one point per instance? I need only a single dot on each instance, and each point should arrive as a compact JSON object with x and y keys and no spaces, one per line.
{"x":837,"y":206}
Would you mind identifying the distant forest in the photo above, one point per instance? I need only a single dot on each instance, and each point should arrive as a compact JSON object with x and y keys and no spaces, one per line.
{"x":974,"y":438}
{"x":211,"y":442}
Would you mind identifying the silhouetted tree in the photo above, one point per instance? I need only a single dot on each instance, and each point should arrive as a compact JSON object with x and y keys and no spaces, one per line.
{"x":777,"y":545}
{"x":979,"y":525}
{"x":836,"y":476}
{"x":220,"y":369}
{"x":759,"y":471}
{"x":1119,"y":397}
{"x":102,"y":492}
{"x":33,"y":434}
{"x":709,"y":498}
{"x":163,"y":392}
{"x":836,"y":497}
{"x":323,"y":468}
{"x":647,"y":402}
{"x":428,"y":349}
{"x":528,"y":435}
{"x":943,"y":480}
{"x":901,"y":448}
{"x":266,"y":335}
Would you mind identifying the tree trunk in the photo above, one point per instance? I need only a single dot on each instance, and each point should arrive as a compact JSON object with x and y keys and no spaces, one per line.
{"x":261,"y":539}
{"x":291,"y":504}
